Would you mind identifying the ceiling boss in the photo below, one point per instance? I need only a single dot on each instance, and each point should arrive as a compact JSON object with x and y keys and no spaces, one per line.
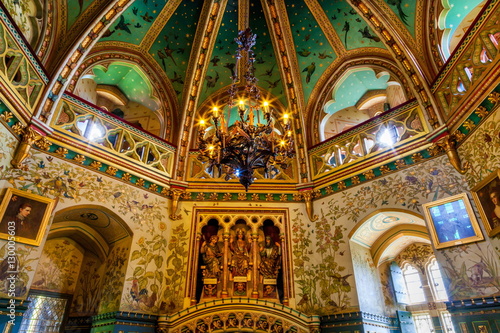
{"x":257,"y":139}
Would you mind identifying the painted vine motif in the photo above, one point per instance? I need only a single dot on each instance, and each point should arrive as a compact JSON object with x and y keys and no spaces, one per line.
{"x":176,"y":270}
{"x":482,"y":151}
{"x":416,"y":254}
{"x":58,"y":267}
{"x":86,"y":298}
{"x":148,"y":280}
{"x":114,"y":278}
{"x":324,"y":286}
{"x":50,"y":177}
{"x":466,"y":281}
{"x":23,"y":265}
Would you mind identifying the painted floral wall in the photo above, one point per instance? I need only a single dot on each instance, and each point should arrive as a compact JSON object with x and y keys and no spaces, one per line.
{"x":405,"y":190}
{"x":88,"y":289}
{"x":157,"y":261}
{"x":59,"y":266}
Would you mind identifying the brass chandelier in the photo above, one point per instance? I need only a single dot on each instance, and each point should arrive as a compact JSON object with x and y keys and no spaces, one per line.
{"x":240,"y":148}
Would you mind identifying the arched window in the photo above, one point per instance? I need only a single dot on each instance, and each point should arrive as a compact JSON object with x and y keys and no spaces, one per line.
{"x":413,"y":284}
{"x":436,"y":281}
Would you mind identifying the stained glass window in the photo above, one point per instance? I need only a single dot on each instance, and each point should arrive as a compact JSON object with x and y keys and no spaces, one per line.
{"x":44,"y":314}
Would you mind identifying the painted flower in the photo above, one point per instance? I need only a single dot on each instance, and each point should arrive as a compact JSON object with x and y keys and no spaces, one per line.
{"x":411,"y":179}
{"x":434,"y":172}
{"x":162,"y":226}
{"x":140,"y":241}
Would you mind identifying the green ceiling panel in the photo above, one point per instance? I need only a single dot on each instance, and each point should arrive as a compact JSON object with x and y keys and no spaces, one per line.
{"x":405,"y":10}
{"x":172,"y":47}
{"x":222,"y":61}
{"x":314,"y":52}
{"x":75,"y":8}
{"x":351,"y":28}
{"x":266,"y":68}
{"x":134,"y":23}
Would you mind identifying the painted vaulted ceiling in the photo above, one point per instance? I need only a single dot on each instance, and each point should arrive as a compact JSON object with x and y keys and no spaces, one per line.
{"x":302,"y":47}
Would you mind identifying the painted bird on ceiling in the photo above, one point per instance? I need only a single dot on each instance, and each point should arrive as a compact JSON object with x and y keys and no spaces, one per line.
{"x":323,"y":55}
{"x":122,"y":25}
{"x":346,"y":28}
{"x":366,"y":34}
{"x":304,"y":53}
{"x":272,"y":84}
{"x":310,"y":70}
{"x":146,"y":17}
{"x":168,"y":53}
{"x":211,"y":81}
{"x":401,"y":14}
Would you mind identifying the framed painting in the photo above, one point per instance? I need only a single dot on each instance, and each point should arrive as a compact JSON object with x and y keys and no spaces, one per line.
{"x":451,"y":221}
{"x":24,"y":216}
{"x":487,"y":197}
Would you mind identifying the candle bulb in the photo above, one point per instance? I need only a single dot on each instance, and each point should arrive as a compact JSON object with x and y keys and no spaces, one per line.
{"x":241,"y":105}
{"x":215,"y":111}
{"x":286,"y":116}
{"x":266,"y":106}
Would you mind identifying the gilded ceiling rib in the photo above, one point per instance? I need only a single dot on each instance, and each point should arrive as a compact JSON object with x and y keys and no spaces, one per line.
{"x":206,"y":34}
{"x":408,"y":63}
{"x":68,"y":38}
{"x":74,"y":58}
{"x":158,"y":24}
{"x":414,"y":46}
{"x":326,"y":27}
{"x":276,"y":17}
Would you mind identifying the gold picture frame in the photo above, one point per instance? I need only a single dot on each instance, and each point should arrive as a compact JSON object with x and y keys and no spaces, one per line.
{"x":451,"y":221}
{"x":487,"y":196}
{"x":24,"y":216}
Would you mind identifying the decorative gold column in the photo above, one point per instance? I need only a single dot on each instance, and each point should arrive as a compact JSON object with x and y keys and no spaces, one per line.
{"x":196,"y":265}
{"x":255,"y":285}
{"x":284,"y":272}
{"x":225,"y":270}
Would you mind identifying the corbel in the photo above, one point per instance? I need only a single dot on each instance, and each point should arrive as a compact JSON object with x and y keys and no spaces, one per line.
{"x":308,"y":196}
{"x":449,"y":144}
{"x":29,"y":137}
{"x":176,"y":194}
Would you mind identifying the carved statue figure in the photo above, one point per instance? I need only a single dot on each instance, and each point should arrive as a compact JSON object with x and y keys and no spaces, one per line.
{"x":211,"y":256}
{"x":240,"y":249}
{"x":270,"y":259}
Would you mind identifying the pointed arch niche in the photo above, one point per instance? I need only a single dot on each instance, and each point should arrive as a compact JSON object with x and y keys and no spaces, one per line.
{"x":374,"y":242}
{"x":85,"y":256}
{"x":240,"y":253}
